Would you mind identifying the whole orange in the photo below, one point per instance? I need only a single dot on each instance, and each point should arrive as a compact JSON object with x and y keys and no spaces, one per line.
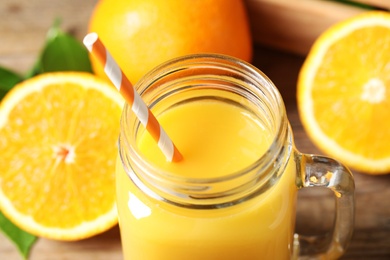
{"x":141,"y":34}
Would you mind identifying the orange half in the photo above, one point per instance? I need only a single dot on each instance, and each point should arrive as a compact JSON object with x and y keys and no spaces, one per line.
{"x":58,"y":137}
{"x":344,"y":92}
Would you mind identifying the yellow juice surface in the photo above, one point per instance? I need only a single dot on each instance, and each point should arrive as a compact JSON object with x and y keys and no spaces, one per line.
{"x":215,"y":139}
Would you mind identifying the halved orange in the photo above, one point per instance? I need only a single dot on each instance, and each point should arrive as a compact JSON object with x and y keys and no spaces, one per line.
{"x":344,"y":92}
{"x":58,"y":143}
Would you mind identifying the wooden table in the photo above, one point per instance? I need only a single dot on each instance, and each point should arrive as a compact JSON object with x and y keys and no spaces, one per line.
{"x":23,"y":26}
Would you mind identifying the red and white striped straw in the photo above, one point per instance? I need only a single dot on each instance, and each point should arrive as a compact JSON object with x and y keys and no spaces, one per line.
{"x":124,"y":86}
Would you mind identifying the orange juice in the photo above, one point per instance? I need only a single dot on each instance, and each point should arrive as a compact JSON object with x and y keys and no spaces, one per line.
{"x":216,"y":139}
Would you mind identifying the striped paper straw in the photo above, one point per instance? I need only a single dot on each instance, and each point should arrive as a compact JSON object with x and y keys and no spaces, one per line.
{"x":124,"y":86}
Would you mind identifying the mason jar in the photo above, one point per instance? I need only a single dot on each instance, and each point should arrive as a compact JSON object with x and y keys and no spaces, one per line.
{"x":234,"y":193}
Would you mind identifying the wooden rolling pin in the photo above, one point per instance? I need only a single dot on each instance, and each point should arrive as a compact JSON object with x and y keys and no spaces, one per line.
{"x":293,"y":26}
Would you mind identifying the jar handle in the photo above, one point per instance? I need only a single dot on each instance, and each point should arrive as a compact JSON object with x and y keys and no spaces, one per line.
{"x":321,"y":171}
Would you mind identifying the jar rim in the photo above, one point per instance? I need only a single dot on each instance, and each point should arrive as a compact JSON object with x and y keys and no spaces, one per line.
{"x":267,"y":160}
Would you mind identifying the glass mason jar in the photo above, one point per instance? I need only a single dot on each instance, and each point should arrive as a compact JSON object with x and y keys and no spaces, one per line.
{"x":247,"y":213}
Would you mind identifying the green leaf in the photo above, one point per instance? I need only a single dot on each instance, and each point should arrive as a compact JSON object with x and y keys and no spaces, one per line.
{"x":62,"y":52}
{"x":22,"y":240}
{"x":65,"y":53}
{"x":8,"y":79}
{"x":353,"y":3}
